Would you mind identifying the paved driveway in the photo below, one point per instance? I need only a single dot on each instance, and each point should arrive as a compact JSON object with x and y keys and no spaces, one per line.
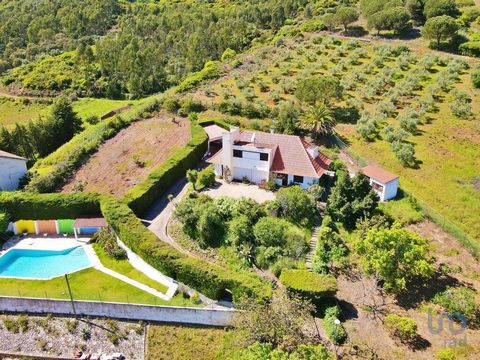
{"x":239,"y":190}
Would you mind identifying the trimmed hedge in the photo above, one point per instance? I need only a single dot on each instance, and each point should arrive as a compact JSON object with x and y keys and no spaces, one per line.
{"x":470,"y":48}
{"x":32,"y":206}
{"x":145,"y":193}
{"x":159,"y":180}
{"x":311,"y":285}
{"x":211,"y":280}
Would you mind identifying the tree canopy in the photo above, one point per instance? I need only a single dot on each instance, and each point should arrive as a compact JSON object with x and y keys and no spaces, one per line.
{"x":395,"y":256}
{"x":440,"y":28}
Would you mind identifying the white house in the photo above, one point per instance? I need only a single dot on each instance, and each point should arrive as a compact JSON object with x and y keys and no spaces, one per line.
{"x":383,"y":182}
{"x":260,"y":156}
{"x":12,"y":169}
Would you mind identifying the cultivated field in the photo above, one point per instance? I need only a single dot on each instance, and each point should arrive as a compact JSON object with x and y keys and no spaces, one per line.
{"x":376,"y":78}
{"x":125,"y":160}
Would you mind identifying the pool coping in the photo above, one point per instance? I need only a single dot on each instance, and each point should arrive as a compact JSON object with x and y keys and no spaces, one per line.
{"x":51,"y":278}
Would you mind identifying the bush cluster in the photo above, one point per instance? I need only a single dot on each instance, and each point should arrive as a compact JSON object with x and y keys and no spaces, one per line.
{"x":335,"y":330}
{"x":108,"y":242}
{"x":401,"y":327}
{"x":211,"y":280}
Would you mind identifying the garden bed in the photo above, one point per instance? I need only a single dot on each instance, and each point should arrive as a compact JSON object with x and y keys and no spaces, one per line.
{"x":125,"y":160}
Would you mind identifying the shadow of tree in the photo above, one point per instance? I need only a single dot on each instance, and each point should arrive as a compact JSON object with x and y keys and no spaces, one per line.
{"x":421,"y":291}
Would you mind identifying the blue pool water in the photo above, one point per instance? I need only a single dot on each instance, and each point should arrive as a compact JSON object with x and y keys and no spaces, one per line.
{"x":42,"y":264}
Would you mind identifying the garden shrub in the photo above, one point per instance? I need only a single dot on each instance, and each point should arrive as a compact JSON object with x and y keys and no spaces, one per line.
{"x":310,"y":285}
{"x":4,"y":221}
{"x":296,"y":205}
{"x":401,"y":327}
{"x":32,"y":206}
{"x":335,"y":332}
{"x":330,"y":249}
{"x":461,"y":300}
{"x":109,"y":244}
{"x":270,"y":231}
{"x":209,"y":279}
{"x":206,"y":178}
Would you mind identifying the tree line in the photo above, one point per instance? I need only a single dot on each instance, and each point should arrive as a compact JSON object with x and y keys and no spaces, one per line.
{"x":40,"y":138}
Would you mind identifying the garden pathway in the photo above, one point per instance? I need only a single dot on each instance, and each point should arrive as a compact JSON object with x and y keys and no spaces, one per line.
{"x":99,"y":266}
{"x":311,"y":253}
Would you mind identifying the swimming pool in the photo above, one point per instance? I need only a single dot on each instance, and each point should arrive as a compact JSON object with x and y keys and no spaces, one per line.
{"x":42,"y":264}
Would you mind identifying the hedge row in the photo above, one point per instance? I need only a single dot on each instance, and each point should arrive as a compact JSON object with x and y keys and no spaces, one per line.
{"x":53,"y":171}
{"x":211,"y":280}
{"x":311,"y":285}
{"x":145,"y":193}
{"x":32,"y":206}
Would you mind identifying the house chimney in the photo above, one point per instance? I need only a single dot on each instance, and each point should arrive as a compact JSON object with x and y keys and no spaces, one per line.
{"x":313,"y":151}
{"x":228,"y":139}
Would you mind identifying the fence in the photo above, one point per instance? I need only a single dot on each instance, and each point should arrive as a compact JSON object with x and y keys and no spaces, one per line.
{"x":167,"y":314}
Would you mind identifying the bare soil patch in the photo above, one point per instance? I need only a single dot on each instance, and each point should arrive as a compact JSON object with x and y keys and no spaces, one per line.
{"x":125,"y":160}
{"x":61,"y":336}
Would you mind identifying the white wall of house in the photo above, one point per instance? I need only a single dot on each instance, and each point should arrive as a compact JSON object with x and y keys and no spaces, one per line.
{"x":11,"y":171}
{"x":307,"y":181}
{"x":389,"y":190}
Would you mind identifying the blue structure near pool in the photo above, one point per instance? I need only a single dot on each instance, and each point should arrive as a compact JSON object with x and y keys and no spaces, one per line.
{"x":88,"y":226}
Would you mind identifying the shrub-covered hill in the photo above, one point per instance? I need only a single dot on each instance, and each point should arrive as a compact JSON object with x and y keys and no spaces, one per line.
{"x":147,"y":45}
{"x":393,"y":97}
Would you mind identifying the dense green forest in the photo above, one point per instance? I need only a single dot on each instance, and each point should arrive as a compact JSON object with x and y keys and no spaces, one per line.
{"x":150,"y":46}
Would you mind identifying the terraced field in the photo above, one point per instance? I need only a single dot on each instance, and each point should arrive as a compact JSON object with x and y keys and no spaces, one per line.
{"x":385,"y":84}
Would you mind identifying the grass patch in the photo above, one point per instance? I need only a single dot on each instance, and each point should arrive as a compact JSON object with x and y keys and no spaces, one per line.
{"x":18,"y":111}
{"x":87,"y":107}
{"x":89,"y":284}
{"x":182,"y":342}
{"x":403,"y":209}
{"x":125,"y":268}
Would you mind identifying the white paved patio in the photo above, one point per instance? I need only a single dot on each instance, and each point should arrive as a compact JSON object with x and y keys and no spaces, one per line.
{"x":239,"y":190}
{"x":50,"y":242}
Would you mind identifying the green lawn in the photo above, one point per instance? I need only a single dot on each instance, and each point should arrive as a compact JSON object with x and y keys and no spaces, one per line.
{"x":13,"y":111}
{"x":86,"y":107}
{"x":89,"y":284}
{"x":125,"y":268}
{"x":402,"y":209}
{"x":169,"y":342}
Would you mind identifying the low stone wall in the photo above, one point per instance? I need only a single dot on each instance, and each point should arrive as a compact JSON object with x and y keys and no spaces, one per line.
{"x":168,"y":314}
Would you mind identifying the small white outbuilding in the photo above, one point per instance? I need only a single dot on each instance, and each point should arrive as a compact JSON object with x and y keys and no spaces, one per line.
{"x":12,"y":169}
{"x":383,"y":182}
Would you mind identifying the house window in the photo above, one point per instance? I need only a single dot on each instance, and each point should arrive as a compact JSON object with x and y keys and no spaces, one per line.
{"x":298,"y":179}
{"x":237,"y":153}
{"x":263,"y":156}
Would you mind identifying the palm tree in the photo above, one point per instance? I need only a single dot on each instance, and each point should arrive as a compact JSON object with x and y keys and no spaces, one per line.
{"x":318,"y":119}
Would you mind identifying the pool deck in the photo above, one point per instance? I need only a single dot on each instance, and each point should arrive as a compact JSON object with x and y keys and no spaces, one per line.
{"x":60,"y":243}
{"x":54,"y":243}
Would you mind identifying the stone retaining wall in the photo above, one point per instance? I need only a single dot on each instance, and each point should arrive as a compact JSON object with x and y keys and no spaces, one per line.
{"x":167,"y":314}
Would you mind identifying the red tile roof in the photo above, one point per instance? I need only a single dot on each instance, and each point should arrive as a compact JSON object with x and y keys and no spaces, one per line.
{"x":10,"y":156}
{"x":290,"y":155}
{"x":376,"y":173}
{"x":90,"y":223}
